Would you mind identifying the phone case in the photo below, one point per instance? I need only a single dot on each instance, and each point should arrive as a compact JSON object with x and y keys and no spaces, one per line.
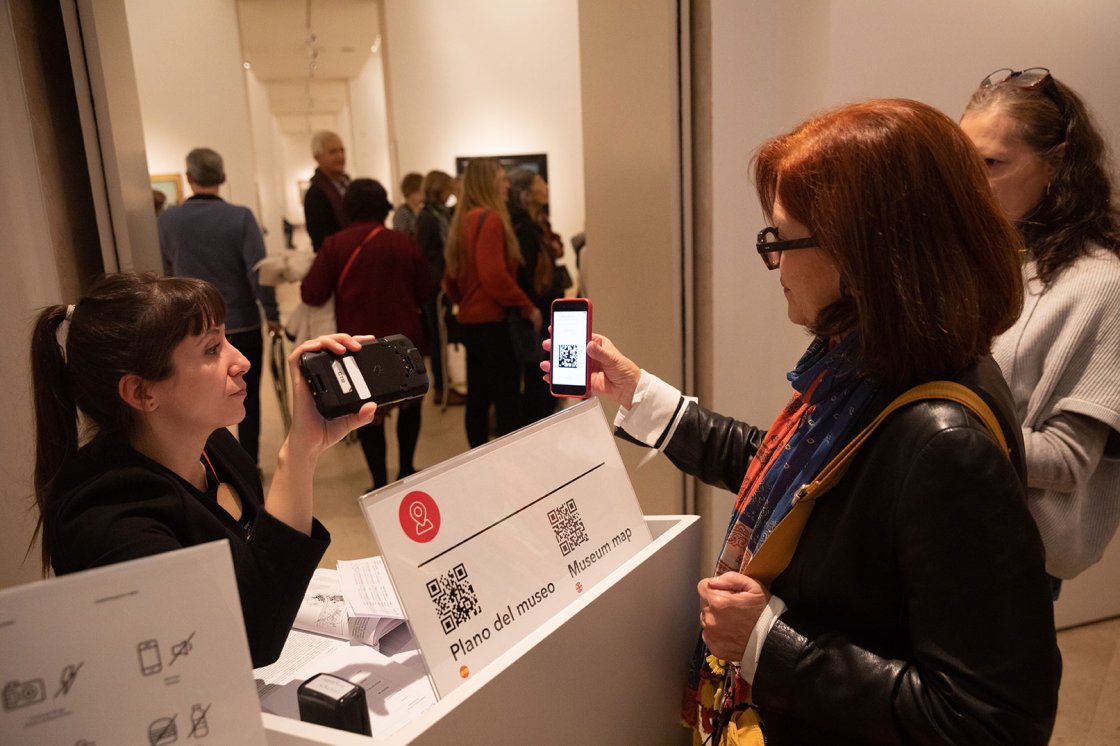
{"x":384,"y":371}
{"x":571,"y":392}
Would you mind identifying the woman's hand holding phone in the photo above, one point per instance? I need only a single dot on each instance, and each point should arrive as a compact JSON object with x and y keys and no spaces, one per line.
{"x":612,"y":374}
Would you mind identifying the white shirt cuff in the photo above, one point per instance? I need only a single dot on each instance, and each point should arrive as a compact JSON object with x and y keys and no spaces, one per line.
{"x":656,"y":409}
{"x":762,"y":628}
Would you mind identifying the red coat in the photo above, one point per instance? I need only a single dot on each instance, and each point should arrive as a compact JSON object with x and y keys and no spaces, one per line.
{"x":486,"y":287}
{"x":384,"y":289}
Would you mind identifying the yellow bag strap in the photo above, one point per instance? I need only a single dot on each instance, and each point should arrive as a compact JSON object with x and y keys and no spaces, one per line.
{"x":776,"y":551}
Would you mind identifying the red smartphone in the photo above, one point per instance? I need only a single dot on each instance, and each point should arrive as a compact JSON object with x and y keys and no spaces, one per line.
{"x":571,"y":331}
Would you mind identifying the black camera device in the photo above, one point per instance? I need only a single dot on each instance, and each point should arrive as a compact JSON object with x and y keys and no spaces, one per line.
{"x":326,"y":699}
{"x":384,"y":371}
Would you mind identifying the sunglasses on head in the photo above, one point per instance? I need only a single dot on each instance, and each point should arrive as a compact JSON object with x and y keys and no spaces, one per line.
{"x":1032,"y":77}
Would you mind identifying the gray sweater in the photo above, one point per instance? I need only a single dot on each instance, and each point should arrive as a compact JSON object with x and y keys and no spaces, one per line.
{"x":1061,"y":360}
{"x":208,"y":238}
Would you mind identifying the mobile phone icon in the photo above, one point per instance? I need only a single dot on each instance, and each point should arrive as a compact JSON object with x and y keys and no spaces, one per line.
{"x":150,"y":662}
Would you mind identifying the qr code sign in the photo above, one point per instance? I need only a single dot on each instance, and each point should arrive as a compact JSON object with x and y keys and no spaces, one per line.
{"x":454,"y":598}
{"x":567,"y":356}
{"x":568,"y":527}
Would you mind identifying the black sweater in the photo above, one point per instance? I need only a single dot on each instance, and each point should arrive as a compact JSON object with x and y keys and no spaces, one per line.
{"x":116,"y":504}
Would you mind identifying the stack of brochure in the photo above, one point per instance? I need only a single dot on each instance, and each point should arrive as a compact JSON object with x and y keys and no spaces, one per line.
{"x":341,"y":629}
{"x":356,"y":602}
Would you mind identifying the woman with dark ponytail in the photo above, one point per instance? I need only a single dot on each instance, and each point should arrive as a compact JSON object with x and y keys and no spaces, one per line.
{"x":134,"y":387}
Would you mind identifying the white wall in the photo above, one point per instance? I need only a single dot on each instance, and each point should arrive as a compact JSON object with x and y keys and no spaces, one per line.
{"x":806,"y":56}
{"x":495,"y":78}
{"x":192,"y":89}
{"x":268,"y":158}
{"x":369,"y":153}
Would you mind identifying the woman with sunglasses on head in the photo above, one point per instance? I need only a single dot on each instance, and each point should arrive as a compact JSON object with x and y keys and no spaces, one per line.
{"x":1047,"y":167}
{"x":143,"y":364}
{"x":915,"y":606}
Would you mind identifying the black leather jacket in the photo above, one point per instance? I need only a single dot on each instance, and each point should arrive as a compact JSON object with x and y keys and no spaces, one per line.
{"x":919,"y":608}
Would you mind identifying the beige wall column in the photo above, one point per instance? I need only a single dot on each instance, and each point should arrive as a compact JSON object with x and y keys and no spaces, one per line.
{"x":40,"y":229}
{"x":635,"y":255}
{"x":101,"y":53}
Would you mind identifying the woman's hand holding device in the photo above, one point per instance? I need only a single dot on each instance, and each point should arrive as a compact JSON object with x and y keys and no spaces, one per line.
{"x":610,"y":373}
{"x":312,"y":433}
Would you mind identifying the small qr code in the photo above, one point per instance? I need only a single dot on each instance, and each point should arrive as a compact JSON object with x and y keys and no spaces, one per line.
{"x":454,"y":598}
{"x":568,"y":527}
{"x":567,"y":356}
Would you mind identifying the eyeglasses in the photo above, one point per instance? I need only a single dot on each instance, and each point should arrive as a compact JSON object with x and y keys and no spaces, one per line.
{"x":1032,"y":77}
{"x":770,"y":247}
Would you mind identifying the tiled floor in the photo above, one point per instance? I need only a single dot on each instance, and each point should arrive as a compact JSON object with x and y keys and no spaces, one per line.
{"x":1089,"y":706}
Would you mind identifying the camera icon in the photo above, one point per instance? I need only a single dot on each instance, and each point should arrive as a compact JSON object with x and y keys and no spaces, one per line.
{"x":23,"y":693}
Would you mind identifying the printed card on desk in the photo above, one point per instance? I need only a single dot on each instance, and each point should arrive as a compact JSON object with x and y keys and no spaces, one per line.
{"x":151,"y":651}
{"x":486,"y":547}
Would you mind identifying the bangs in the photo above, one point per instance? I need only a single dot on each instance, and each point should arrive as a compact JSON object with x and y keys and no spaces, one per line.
{"x":190,"y":307}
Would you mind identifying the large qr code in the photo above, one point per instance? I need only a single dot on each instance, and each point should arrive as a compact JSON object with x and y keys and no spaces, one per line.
{"x":454,"y":598}
{"x":568,"y":527}
{"x":567,"y":356}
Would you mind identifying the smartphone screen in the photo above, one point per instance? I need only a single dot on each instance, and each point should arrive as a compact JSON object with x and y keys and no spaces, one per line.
{"x":571,"y":331}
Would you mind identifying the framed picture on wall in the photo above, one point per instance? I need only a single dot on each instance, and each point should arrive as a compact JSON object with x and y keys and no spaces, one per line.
{"x":170,"y":185}
{"x":302,"y":185}
{"x":536,"y":162}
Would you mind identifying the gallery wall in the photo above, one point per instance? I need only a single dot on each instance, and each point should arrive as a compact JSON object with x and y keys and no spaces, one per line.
{"x":192,"y":92}
{"x":495,"y":78}
{"x":369,"y":152}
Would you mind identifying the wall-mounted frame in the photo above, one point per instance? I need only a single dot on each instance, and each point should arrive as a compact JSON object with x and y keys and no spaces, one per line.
{"x":302,"y":185}
{"x":537,"y":162}
{"x":171,"y":185}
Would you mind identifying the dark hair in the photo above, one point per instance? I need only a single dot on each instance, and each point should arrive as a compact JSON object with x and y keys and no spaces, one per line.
{"x":126,"y":323}
{"x":205,"y":167}
{"x":1077,"y":208}
{"x":434,"y":185}
{"x":520,"y":181}
{"x":411,"y":183}
{"x":897,"y":196}
{"x":365,"y":199}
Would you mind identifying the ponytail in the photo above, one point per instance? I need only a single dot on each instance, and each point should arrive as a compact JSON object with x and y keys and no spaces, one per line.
{"x":56,"y":414}
{"x":125,"y":323}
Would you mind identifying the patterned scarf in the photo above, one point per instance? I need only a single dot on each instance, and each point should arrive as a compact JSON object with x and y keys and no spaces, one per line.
{"x":829,"y":396}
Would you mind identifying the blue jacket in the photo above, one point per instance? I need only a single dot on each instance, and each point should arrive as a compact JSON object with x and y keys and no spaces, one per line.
{"x":212,"y":240}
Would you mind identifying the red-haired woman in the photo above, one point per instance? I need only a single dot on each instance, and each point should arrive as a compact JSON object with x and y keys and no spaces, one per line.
{"x":915,"y":608}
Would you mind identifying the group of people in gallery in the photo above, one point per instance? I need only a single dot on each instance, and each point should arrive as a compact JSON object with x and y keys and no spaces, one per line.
{"x":901,"y":530}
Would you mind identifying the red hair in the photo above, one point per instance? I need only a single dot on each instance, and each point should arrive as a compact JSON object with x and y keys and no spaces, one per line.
{"x":896,"y":195}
